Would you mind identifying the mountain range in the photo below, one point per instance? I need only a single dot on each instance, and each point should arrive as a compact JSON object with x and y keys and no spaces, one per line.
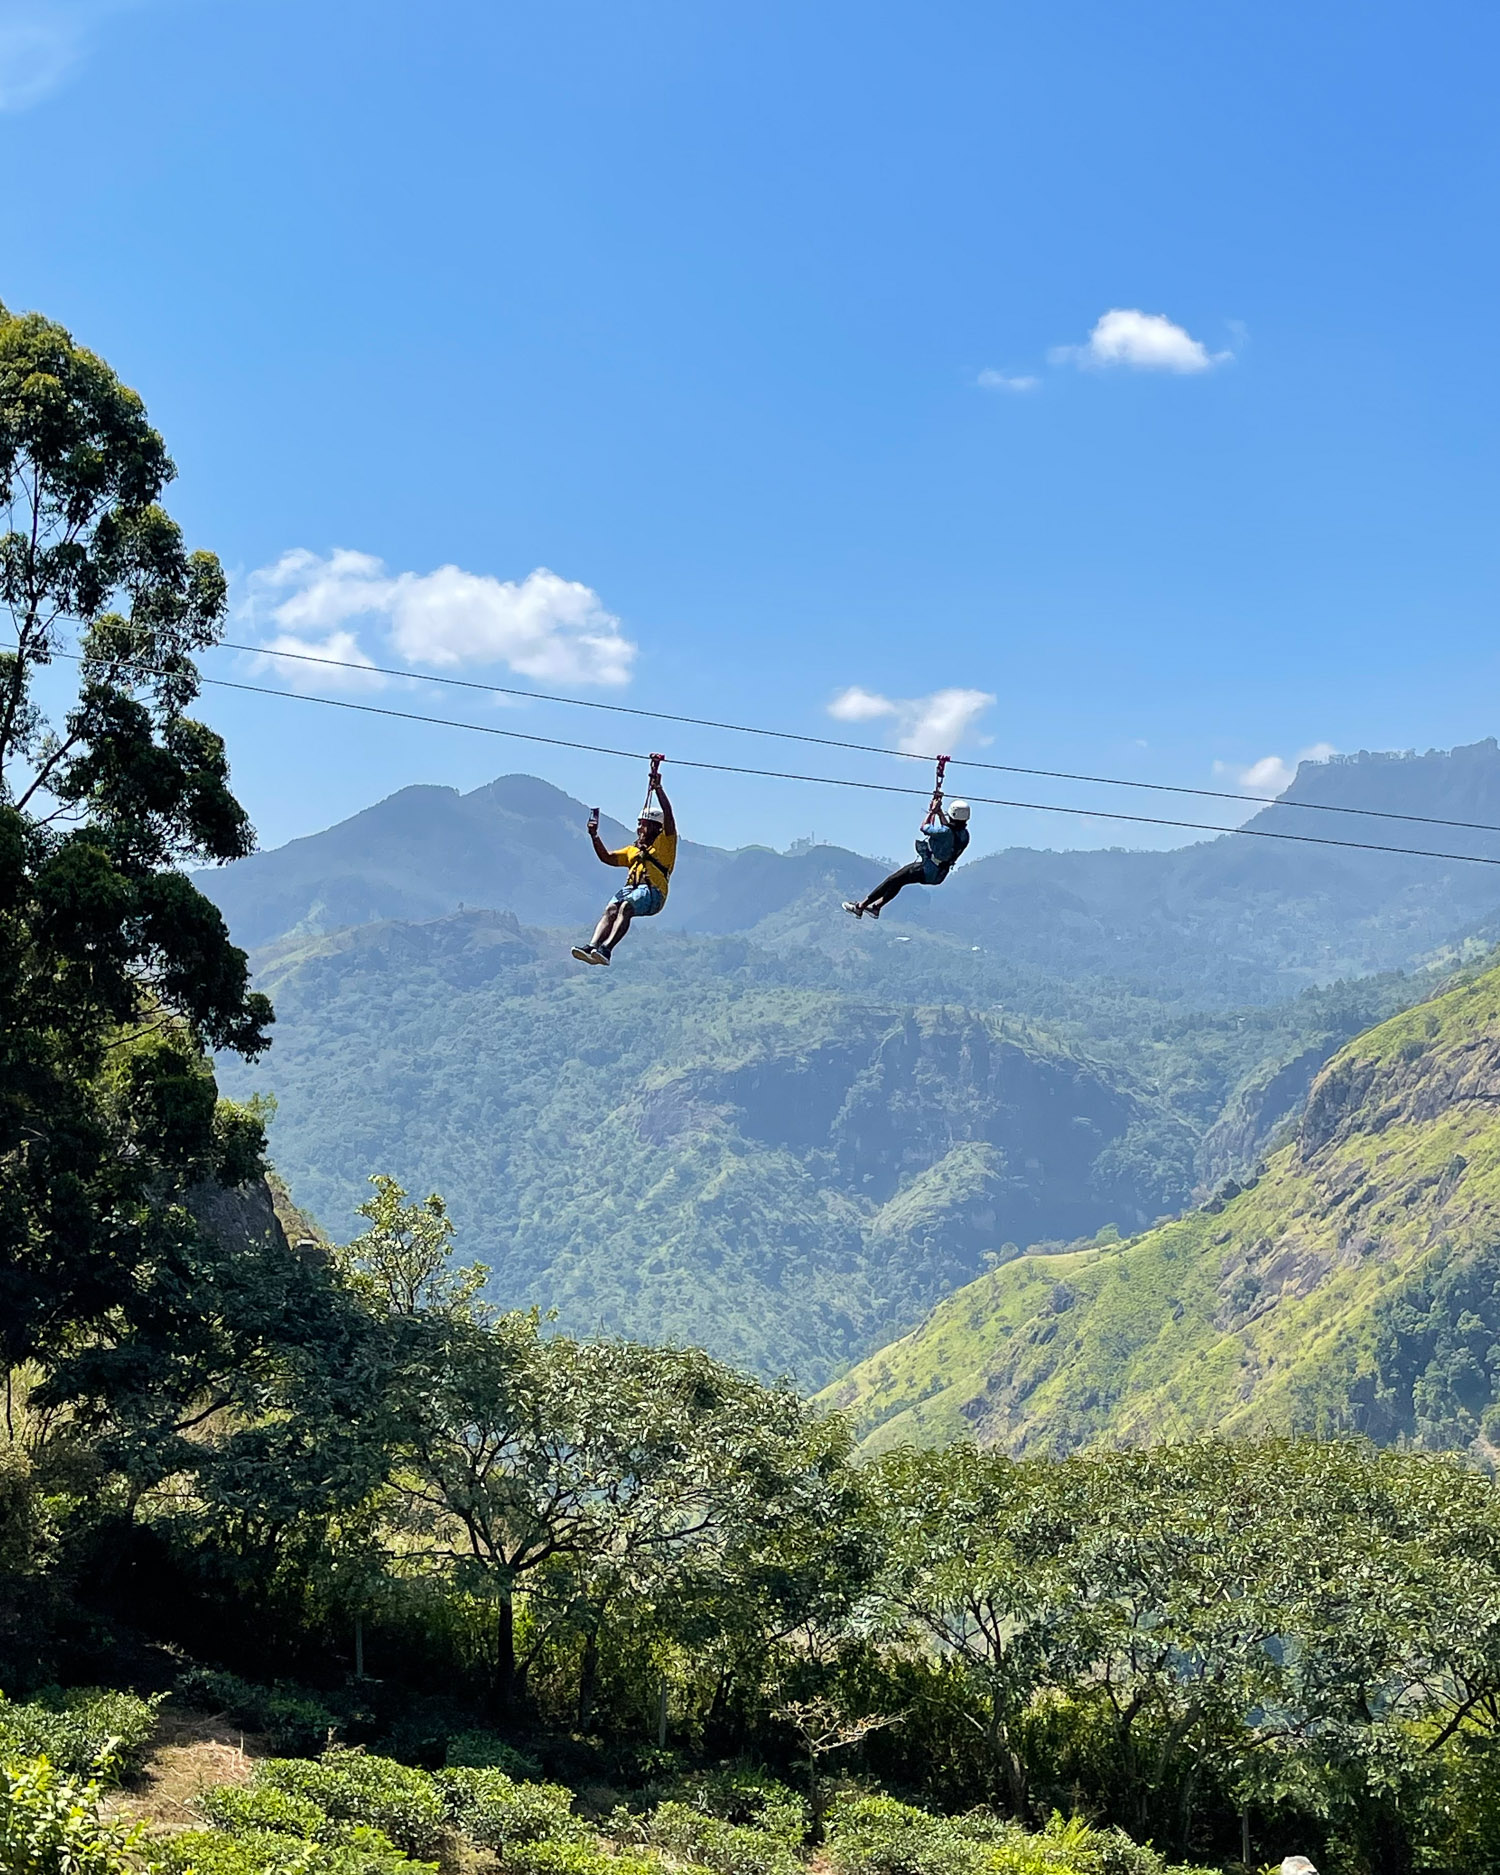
{"x":784,"y":1134}
{"x":1228,"y":920}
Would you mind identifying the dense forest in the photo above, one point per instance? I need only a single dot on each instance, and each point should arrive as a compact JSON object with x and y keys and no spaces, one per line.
{"x":478,"y":1593}
{"x":819,"y":1148}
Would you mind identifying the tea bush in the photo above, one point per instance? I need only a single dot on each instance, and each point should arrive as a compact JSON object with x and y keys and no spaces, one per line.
{"x":487,"y":1751}
{"x":87,"y":1730}
{"x":581,"y":1858}
{"x":267,"y":1852}
{"x":875,"y":1835}
{"x":691,"y":1835}
{"x":740,"y":1796}
{"x":497,"y":1811}
{"x":349,"y":1785}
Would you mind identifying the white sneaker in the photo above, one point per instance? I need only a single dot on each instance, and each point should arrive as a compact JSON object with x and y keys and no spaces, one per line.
{"x":849,"y":906}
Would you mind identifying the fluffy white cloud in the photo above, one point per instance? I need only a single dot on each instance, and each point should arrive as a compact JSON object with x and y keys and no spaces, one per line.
{"x":1272,"y":775}
{"x":343,"y":665}
{"x":1003,"y":381}
{"x":542,"y":627}
{"x":1143,"y":342}
{"x":921,"y":725}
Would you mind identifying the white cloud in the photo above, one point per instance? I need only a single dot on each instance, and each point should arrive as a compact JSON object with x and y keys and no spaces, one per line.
{"x":344,"y":666}
{"x":1143,"y":342}
{"x":1272,"y":775}
{"x":921,"y":725}
{"x":542,"y":627}
{"x":1002,"y":381}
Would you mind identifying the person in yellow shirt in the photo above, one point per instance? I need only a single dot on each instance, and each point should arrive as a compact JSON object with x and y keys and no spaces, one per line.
{"x":650,"y":863}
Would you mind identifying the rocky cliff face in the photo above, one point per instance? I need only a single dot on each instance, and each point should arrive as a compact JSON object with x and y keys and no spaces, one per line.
{"x":1354,"y":1286}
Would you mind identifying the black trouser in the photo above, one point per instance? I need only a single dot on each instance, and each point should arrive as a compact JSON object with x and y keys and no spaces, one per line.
{"x":913,"y":874}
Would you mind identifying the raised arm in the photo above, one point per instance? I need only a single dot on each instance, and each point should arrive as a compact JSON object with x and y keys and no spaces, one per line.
{"x":668,"y":818}
{"x":599,"y":847}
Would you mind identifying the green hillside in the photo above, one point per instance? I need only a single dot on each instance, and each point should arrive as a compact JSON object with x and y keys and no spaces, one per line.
{"x":784,"y":1154}
{"x":1355,"y":1285}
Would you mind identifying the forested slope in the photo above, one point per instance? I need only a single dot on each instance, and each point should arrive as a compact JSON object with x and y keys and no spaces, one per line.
{"x":1355,"y":1286}
{"x":695,"y":1147}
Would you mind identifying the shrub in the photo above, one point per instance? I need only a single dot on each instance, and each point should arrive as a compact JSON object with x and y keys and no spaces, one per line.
{"x":266,"y":1852}
{"x":691,"y":1835}
{"x":487,"y":1751}
{"x":85,"y":1730}
{"x":871,"y":1835}
{"x":496,"y":1811}
{"x":878,"y":1836}
{"x":744,"y":1797}
{"x":348,"y":1785}
{"x":294,"y":1722}
{"x":1069,"y":1846}
{"x":50,"y":1825}
{"x":578,"y":1858}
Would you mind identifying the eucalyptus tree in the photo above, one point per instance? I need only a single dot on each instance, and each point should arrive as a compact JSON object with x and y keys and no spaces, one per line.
{"x":117,"y":975}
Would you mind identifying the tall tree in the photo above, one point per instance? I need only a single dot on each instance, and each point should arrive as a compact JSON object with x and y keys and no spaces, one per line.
{"x":116,"y":974}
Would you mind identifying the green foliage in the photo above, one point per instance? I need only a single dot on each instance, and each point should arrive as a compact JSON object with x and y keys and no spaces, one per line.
{"x":689,"y":1835}
{"x":270,"y":1852}
{"x":50,"y":1825}
{"x":877,"y":1835}
{"x":292,"y":1721}
{"x":85,"y":1729}
{"x":1267,"y":1311}
{"x":818,"y":1166}
{"x":404,"y":1803}
{"x":745,"y":1797}
{"x":487,"y":1751}
{"x":498,"y":1811}
{"x":580,"y":1858}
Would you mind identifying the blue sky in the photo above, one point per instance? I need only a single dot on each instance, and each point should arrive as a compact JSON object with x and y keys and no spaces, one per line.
{"x":717,"y":313}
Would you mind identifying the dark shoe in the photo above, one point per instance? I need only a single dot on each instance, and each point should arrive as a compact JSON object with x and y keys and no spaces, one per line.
{"x":583,"y":953}
{"x":850,"y":906}
{"x":600,"y":956}
{"x":872,"y":911}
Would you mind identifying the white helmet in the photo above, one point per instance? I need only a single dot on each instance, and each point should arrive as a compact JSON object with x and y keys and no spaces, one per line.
{"x":958,"y":810}
{"x":653,"y":816}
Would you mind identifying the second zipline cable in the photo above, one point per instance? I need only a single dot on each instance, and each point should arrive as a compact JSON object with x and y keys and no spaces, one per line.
{"x":839,"y":781}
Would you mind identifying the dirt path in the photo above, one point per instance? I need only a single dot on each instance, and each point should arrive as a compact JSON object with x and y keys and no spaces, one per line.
{"x":191,"y":1752}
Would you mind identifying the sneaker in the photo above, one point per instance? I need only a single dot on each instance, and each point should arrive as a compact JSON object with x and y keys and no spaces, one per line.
{"x":850,"y":906}
{"x":872,"y":911}
{"x":583,"y":953}
{"x":600,"y":956}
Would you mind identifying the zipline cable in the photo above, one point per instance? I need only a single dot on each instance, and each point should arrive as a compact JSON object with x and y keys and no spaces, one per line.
{"x":856,"y":748}
{"x":838,"y":781}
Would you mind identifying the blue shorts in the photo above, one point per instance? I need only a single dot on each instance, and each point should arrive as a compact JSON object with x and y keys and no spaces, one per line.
{"x":644,"y":900}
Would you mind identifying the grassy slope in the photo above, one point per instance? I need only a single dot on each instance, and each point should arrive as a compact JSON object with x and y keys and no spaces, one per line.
{"x":1262,"y":1314}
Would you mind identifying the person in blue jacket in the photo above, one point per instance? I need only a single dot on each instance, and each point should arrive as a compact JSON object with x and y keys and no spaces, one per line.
{"x":944,"y":835}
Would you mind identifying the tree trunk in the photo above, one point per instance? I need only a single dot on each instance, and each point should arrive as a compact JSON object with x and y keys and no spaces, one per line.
{"x":505,"y":1656}
{"x":588,"y":1678}
{"x":817,"y":1803}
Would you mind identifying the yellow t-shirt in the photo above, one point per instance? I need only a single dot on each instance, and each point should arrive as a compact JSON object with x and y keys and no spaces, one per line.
{"x":650,"y":865}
